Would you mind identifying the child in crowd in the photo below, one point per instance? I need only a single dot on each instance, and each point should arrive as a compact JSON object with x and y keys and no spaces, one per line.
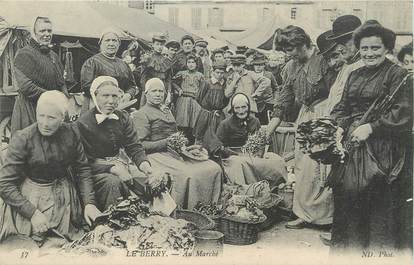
{"x":187,"y":84}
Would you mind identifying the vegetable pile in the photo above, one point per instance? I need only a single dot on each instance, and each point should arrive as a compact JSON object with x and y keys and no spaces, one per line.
{"x":213,"y":209}
{"x":177,"y":141}
{"x":255,"y":144}
{"x":130,"y":225}
{"x":321,"y":139}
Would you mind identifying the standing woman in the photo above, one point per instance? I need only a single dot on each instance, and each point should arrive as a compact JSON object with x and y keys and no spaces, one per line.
{"x":370,"y":204}
{"x":36,"y":189}
{"x":180,"y":62}
{"x":304,"y":84}
{"x":105,"y":63}
{"x":37,"y":69}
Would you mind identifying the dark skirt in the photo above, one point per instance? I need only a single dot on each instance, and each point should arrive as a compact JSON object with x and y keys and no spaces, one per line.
{"x":24,"y":113}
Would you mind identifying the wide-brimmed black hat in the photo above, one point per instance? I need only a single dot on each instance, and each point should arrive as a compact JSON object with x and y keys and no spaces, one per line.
{"x":325,"y":45}
{"x":259,"y":58}
{"x":343,"y":26}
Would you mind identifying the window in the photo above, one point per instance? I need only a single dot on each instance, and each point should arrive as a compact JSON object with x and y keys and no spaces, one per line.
{"x":293,"y":11}
{"x":173,"y":15}
{"x":149,"y":6}
{"x":196,"y":18}
{"x":215,"y":17}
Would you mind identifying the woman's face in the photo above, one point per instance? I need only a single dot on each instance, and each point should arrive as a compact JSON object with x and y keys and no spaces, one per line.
{"x":155,"y":96}
{"x":372,"y":51}
{"x":408,"y":62}
{"x":43,"y":32}
{"x":241,"y":110}
{"x":49,"y":119}
{"x":109,"y":44}
{"x":187,"y":46}
{"x":157,"y":46}
{"x":227,"y":58}
{"x":107,"y":98}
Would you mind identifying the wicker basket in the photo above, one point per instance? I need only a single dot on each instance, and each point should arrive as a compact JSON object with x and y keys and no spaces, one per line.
{"x":239,"y":232}
{"x":202,"y":221}
{"x":270,"y":210}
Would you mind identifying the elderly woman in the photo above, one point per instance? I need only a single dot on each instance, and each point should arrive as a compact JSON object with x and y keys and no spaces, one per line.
{"x":37,"y":69}
{"x":194,"y":181}
{"x":233,"y":133}
{"x":104,"y":131}
{"x":105,"y":63}
{"x":304,"y":83}
{"x":38,"y":191}
{"x":370,"y":204}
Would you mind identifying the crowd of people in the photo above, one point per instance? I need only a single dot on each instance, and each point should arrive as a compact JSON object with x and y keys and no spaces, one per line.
{"x":55,"y":172}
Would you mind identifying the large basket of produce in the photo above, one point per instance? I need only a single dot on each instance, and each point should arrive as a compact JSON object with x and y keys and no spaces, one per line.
{"x":240,"y":223}
{"x":240,"y":231}
{"x":201,"y":221}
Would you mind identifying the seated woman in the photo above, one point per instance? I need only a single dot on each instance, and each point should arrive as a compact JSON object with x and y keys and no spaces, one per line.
{"x":193,"y":180}
{"x":233,"y":133}
{"x":37,"y":191}
{"x":104,"y":132}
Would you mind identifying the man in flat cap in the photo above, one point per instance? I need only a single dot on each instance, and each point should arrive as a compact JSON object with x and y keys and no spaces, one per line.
{"x":202,"y":52}
{"x":257,"y":88}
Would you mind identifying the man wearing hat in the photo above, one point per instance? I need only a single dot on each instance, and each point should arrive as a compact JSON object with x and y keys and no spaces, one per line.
{"x":256,"y":87}
{"x":250,"y":53}
{"x":202,"y":52}
{"x":157,"y":66}
{"x":342,"y":29}
{"x":259,"y":63}
{"x":173,"y":47}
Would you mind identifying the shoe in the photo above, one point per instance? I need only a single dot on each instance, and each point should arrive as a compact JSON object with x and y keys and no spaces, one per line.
{"x":296,"y":224}
{"x":326,"y":239}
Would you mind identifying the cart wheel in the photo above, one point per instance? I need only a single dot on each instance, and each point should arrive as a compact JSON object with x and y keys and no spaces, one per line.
{"x":5,"y":131}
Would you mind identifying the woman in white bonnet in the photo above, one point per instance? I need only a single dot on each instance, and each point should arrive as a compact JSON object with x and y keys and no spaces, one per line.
{"x":194,"y":181}
{"x":105,"y":130}
{"x":39,"y":157}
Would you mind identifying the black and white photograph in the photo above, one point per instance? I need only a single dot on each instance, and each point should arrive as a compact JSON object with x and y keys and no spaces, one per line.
{"x":206,"y":132}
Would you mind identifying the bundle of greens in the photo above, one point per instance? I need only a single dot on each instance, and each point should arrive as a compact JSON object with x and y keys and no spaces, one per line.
{"x":176,"y":141}
{"x":255,"y":144}
{"x":321,"y":139}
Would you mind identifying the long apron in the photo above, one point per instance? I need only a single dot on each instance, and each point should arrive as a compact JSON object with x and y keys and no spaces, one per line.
{"x":309,"y":178}
{"x":58,"y":201}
